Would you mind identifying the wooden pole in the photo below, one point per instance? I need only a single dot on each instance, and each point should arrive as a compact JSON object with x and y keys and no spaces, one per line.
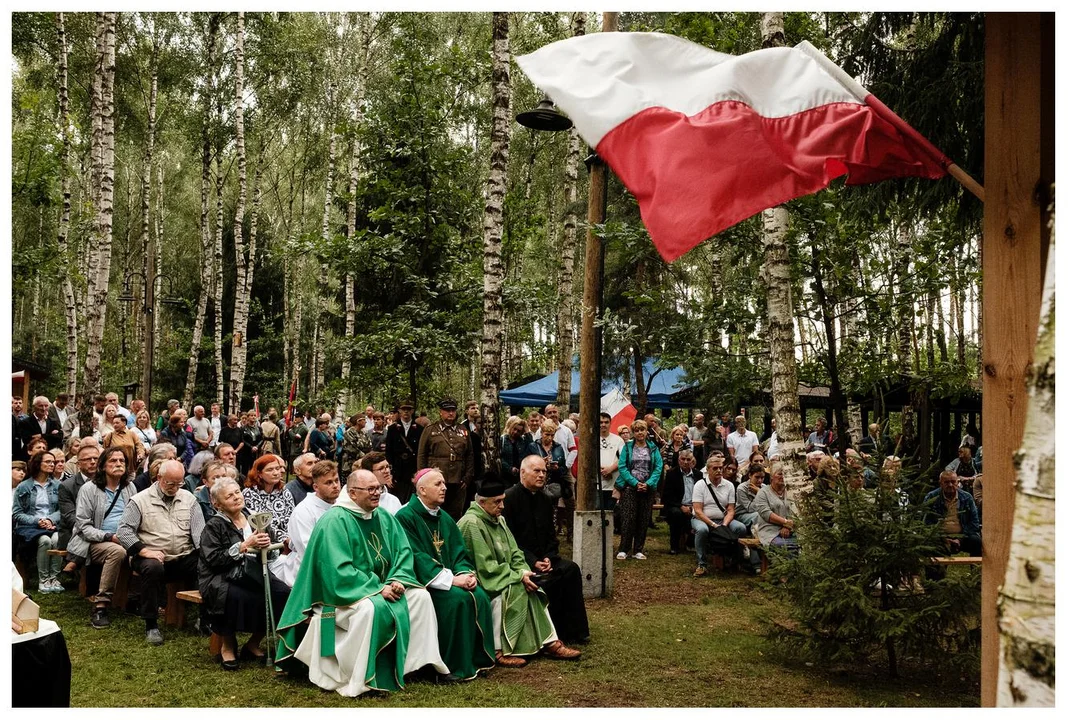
{"x":589,"y":342}
{"x":1018,"y":175}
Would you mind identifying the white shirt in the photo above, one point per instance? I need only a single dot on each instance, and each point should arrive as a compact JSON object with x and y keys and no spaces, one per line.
{"x":62,"y":414}
{"x":743,"y":444}
{"x":389,"y":503}
{"x":702,"y":493}
{"x":610,"y":447}
{"x":773,"y":444}
{"x":301,"y":524}
{"x":216,"y":428}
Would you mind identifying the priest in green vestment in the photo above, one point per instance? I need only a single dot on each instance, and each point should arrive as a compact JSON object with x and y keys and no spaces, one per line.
{"x":521,"y":622}
{"x":465,"y":620}
{"x":357,"y":617}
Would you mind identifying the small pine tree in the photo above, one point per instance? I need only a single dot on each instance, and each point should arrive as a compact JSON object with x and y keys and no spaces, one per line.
{"x":862,"y":587}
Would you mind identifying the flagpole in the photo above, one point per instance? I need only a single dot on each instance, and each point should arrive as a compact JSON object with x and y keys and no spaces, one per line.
{"x":865,"y":96}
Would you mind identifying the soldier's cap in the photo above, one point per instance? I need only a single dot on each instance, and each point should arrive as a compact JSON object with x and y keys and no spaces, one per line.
{"x":447,"y":404}
{"x":298,"y":413}
{"x":406,"y":403}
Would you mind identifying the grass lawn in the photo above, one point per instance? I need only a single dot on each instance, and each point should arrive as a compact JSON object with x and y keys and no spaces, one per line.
{"x":665,"y":639}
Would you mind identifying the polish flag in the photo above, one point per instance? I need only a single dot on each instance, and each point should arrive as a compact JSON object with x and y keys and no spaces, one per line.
{"x":616,"y":404}
{"x":705,"y":140}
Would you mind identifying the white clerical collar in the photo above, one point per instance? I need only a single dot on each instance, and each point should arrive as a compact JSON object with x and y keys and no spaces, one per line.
{"x":433,"y":511}
{"x":349,"y":504}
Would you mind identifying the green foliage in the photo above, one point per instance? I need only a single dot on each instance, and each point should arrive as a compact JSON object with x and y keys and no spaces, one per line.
{"x":855,"y":545}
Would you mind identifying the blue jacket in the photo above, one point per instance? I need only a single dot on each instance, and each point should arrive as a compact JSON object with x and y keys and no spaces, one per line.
{"x":967,"y":512}
{"x":626,"y":479}
{"x":24,"y":503}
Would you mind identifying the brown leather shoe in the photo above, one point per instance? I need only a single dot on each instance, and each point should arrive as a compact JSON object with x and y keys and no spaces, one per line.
{"x":510,"y":661}
{"x":558,"y":651}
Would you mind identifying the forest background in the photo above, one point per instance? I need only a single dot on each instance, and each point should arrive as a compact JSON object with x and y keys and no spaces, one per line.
{"x":315,"y":192}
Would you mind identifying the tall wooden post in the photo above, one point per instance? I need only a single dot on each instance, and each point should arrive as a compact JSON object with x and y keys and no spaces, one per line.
{"x":589,"y":342}
{"x":1019,"y":173}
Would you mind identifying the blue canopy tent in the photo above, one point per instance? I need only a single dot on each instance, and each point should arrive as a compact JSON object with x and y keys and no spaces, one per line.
{"x":666,"y":390}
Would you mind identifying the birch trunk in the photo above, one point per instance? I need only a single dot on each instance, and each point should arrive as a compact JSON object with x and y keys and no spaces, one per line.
{"x":785,"y":401}
{"x":565,"y":317}
{"x":96,"y":310}
{"x":906,"y":316}
{"x":70,"y":306}
{"x":241,"y":263}
{"x":157,"y":308}
{"x":350,"y":281}
{"x":205,"y":228}
{"x":1026,"y":602}
{"x":217,"y":290}
{"x":492,"y":224}
{"x":146,"y":199}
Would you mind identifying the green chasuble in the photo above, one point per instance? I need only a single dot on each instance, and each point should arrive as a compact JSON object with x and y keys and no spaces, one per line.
{"x":525,"y":624}
{"x":465,"y":620}
{"x":349,"y":559}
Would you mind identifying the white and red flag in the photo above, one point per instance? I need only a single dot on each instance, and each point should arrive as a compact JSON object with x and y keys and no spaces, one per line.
{"x":616,"y":404}
{"x":705,"y":140}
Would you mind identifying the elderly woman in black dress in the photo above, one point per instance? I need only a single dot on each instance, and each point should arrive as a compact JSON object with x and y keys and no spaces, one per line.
{"x":230,"y":587}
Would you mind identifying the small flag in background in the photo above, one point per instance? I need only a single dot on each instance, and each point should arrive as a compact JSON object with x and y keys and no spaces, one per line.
{"x":616,"y":404}
{"x":705,"y":140}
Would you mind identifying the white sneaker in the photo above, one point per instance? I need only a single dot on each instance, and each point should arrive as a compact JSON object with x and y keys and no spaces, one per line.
{"x":49,"y":586}
{"x":621,"y":556}
{"x":639,"y":556}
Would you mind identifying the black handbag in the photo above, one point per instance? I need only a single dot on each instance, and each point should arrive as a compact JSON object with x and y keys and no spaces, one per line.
{"x":248,"y":573}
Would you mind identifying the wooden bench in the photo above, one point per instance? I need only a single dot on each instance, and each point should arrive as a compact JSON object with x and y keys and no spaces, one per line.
{"x":957,"y":560}
{"x":122,"y":583}
{"x":193,"y":596}
{"x":754,"y":546}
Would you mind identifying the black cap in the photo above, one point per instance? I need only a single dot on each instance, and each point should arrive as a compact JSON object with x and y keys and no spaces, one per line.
{"x":490,"y":485}
{"x":447,"y":404}
{"x":298,"y":413}
{"x":406,"y":403}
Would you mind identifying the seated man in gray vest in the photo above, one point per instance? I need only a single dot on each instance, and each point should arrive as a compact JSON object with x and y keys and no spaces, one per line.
{"x":160,"y":529}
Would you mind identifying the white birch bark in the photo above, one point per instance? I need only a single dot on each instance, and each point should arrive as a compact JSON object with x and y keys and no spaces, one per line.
{"x":906,"y":314}
{"x":492,"y":225}
{"x":96,"y":311}
{"x":785,"y":401}
{"x":70,"y":306}
{"x":205,"y":229}
{"x":217,"y":261}
{"x":146,"y":194}
{"x":238,"y":347}
{"x":1026,"y":601}
{"x":565,"y":316}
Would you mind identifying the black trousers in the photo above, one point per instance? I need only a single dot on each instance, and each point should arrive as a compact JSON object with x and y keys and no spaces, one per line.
{"x":566,"y":606}
{"x":154,"y":578}
{"x":678,"y":525}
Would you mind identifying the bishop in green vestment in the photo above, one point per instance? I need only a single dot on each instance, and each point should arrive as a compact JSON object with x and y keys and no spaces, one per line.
{"x":465,"y":620}
{"x":357,"y":616}
{"x":522,"y":625}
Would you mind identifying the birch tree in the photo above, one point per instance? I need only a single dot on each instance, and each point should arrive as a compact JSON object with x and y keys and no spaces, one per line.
{"x":206,"y":256}
{"x":70,"y":305}
{"x":242,"y":262}
{"x":217,"y":258}
{"x":492,"y":226}
{"x":1026,"y":601}
{"x":565,"y":314}
{"x":104,"y":140}
{"x":149,"y":249}
{"x":785,"y":400}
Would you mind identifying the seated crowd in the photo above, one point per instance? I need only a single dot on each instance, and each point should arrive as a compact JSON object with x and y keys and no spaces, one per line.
{"x":414,"y":558}
{"x":365,"y":589}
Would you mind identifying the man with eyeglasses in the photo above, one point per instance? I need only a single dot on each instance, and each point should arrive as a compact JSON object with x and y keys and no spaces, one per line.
{"x":611,"y":444}
{"x":357,"y":616}
{"x":376,"y":462}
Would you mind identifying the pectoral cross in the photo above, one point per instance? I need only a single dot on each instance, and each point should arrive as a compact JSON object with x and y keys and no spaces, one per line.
{"x":438,"y":541}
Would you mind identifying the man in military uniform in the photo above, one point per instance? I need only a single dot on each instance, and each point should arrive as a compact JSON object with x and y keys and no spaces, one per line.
{"x":445,"y":445}
{"x":402,"y":444}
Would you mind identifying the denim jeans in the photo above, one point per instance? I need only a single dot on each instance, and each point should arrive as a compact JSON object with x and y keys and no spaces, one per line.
{"x":701,"y":532}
